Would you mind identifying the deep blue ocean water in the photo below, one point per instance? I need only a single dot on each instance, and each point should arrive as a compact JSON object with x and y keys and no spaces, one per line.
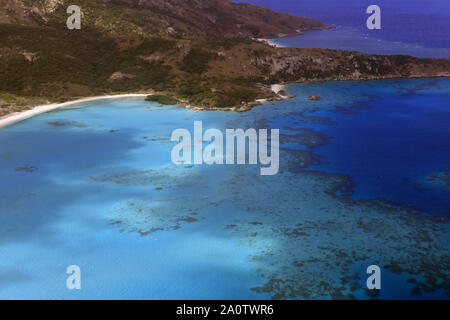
{"x":389,"y":140}
{"x":351,"y":39}
{"x":93,"y":185}
{"x":408,"y":27}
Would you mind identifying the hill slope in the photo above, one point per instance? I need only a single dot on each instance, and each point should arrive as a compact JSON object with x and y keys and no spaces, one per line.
{"x":188,"y":18}
{"x":199,"y":51}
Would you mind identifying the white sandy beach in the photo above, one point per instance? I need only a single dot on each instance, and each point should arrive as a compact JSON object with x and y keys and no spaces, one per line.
{"x":20,"y":116}
{"x":276,"y":88}
{"x":273,"y":44}
{"x":270,"y":42}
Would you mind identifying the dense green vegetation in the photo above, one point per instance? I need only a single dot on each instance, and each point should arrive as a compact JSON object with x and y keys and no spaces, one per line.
{"x":64,"y":64}
{"x":67,"y":61}
{"x":196,"y":61}
{"x":162,"y":99}
{"x":156,"y":44}
{"x":215,"y":93}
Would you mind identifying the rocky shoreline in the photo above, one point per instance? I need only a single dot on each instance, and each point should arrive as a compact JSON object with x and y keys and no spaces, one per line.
{"x":245,"y":107}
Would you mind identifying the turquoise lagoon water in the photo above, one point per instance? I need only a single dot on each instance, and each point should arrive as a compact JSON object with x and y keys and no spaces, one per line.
{"x":93,"y":185}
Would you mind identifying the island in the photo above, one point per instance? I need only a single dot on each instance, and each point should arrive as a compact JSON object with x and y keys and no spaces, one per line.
{"x":203,"y":54}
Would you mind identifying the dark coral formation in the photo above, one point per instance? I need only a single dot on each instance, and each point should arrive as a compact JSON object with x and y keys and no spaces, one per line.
{"x":442,"y":177}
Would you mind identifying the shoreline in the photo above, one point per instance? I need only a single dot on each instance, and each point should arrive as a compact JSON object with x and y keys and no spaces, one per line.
{"x":270,"y":42}
{"x":274,"y":44}
{"x":17,"y":117}
{"x":20,"y":116}
{"x":277,"y":89}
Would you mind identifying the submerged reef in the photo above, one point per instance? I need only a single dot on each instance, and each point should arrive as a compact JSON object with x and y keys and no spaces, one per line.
{"x":306,"y":137}
{"x":27,"y":169}
{"x":64,"y":123}
{"x":442,"y":177}
{"x":306,"y":237}
{"x":314,"y":98}
{"x":148,"y":216}
{"x":173,"y":202}
{"x":309,"y":241}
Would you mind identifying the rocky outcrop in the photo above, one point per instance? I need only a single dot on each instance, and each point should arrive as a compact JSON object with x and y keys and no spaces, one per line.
{"x":288,"y":64}
{"x":17,"y":10}
{"x":119,"y":76}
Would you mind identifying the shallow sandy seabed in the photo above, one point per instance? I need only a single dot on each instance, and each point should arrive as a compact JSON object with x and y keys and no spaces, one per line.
{"x":307,"y":238}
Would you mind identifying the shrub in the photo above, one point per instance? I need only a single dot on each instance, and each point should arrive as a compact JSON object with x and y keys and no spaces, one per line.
{"x":196,"y":61}
{"x":162,"y":99}
{"x":154,"y":45}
